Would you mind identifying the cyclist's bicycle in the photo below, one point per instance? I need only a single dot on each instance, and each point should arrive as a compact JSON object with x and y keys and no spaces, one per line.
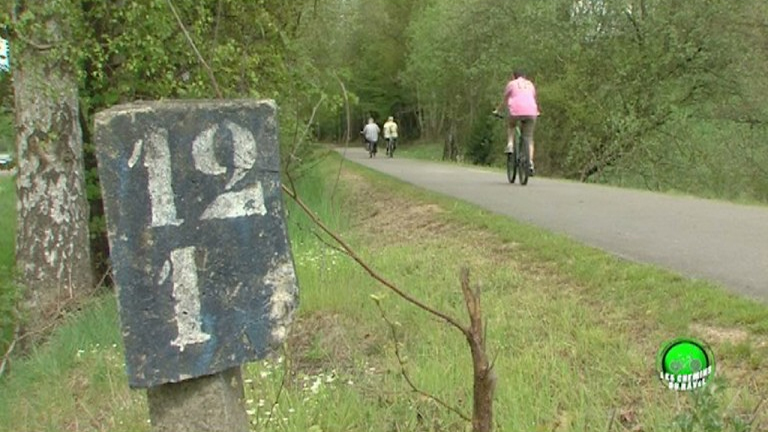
{"x":371,"y":147}
{"x":518,"y":162}
{"x":391,"y":146}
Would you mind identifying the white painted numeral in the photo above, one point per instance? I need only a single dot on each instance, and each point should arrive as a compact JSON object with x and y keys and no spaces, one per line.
{"x":247,"y":202}
{"x":183,"y":272}
{"x":157,"y":161}
{"x":181,"y":266}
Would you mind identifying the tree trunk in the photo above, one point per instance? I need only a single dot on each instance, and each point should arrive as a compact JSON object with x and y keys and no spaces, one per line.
{"x":449,"y":145}
{"x":420,"y":112}
{"x":52,"y":245}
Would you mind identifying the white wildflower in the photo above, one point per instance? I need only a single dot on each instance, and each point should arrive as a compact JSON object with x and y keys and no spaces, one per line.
{"x":316,"y":385}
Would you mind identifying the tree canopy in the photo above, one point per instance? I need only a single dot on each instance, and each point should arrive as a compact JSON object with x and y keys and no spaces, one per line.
{"x":651,"y":93}
{"x":638,"y":92}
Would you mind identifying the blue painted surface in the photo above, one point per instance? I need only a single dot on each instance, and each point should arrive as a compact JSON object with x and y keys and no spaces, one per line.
{"x":229,"y":252}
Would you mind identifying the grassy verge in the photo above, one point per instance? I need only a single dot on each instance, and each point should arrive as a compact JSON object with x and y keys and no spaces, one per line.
{"x":421,"y":150}
{"x":8,"y":291}
{"x":573,"y":331}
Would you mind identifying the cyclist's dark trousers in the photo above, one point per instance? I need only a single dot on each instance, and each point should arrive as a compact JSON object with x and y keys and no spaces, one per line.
{"x":371,"y":146}
{"x":527,"y":125}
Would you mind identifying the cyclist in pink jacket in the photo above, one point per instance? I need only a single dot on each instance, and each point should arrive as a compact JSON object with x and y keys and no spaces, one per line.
{"x":521,"y":101}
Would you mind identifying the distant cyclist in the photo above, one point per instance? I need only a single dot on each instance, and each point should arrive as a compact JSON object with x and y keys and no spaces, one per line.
{"x":521,"y":101}
{"x":371,"y":133}
{"x":390,"y":134}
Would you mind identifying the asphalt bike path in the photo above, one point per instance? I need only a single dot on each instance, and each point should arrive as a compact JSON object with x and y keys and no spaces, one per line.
{"x":704,"y":239}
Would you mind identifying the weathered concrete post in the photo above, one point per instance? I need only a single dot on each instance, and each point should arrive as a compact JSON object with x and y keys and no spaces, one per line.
{"x":199,"y":249}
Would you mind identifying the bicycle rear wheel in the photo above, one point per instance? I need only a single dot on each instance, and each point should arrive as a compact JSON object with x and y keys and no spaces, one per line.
{"x":522,"y":159}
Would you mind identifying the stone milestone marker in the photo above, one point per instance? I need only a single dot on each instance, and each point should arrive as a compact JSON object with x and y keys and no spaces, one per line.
{"x":199,"y":247}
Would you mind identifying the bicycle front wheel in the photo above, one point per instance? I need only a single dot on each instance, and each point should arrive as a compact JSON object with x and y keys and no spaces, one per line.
{"x":511,"y":167}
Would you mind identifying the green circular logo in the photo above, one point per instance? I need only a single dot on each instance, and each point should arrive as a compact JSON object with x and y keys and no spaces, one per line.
{"x":685,"y":364}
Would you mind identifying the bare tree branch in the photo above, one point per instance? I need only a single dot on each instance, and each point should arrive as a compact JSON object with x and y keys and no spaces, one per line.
{"x":452,"y":321}
{"x":299,"y":140}
{"x":404,"y":372}
{"x":197,"y":53}
{"x":7,"y":355}
{"x":610,"y":422}
{"x":346,"y":134}
{"x":755,"y":411}
{"x":327,"y":243}
{"x":36,"y":45}
{"x":484,"y":376}
{"x":218,"y":22}
{"x":283,"y":380}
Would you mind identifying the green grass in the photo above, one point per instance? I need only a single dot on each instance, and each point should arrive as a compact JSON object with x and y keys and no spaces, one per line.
{"x":421,"y":150}
{"x":75,"y":381}
{"x":573,"y":331}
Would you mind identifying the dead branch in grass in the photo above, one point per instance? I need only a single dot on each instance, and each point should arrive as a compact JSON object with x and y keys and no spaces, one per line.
{"x":484,"y":377}
{"x":373,"y":273}
{"x":404,"y":371}
{"x":9,"y":351}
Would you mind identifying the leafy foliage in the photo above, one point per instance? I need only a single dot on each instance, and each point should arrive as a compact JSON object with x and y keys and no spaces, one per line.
{"x":706,"y":412}
{"x":484,"y":141}
{"x":138,"y":51}
{"x":622,"y":84}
